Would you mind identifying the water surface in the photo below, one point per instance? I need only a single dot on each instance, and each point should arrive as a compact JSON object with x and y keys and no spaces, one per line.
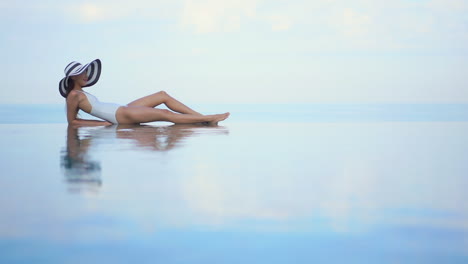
{"x":326,"y":190}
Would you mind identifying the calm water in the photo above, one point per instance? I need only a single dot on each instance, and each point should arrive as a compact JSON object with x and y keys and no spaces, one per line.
{"x":314,"y":184}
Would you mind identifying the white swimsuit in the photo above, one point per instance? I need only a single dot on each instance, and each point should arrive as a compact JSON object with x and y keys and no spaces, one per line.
{"x":106,"y":111}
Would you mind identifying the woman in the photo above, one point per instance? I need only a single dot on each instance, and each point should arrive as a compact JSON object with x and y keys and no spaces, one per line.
{"x":141,"y":110}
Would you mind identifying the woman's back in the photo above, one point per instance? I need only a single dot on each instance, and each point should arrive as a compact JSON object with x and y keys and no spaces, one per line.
{"x":100,"y":109}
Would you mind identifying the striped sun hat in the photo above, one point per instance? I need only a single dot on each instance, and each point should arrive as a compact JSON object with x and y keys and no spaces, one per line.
{"x":75,"y":68}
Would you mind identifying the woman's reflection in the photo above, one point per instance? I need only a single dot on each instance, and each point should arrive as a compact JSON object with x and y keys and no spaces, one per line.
{"x":155,"y":138}
{"x":83,"y":173}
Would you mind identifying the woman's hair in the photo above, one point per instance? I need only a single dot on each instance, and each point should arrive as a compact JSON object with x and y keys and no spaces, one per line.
{"x":70,"y":86}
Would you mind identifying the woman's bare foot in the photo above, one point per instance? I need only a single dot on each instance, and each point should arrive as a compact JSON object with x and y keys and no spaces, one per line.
{"x":218,"y":118}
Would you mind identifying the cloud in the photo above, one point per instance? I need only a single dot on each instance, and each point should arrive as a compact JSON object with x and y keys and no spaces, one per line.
{"x":448,"y":5}
{"x":99,"y":11}
{"x":354,"y":23}
{"x":280,"y":22}
{"x":377,"y":23}
{"x":106,"y":10}
{"x":205,"y":16}
{"x":90,"y":12}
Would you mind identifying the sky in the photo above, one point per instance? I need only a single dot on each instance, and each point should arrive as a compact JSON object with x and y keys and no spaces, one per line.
{"x":240,"y":51}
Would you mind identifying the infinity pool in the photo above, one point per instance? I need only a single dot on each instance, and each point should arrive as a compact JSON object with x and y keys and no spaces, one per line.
{"x":243,"y":192}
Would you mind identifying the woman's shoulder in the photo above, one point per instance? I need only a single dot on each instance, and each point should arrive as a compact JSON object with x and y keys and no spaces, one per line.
{"x":75,"y":95}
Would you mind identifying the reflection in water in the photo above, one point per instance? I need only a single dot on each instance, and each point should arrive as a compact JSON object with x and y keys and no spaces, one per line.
{"x":83,"y":172}
{"x":80,"y":171}
{"x":155,"y":138}
{"x":296,"y":193}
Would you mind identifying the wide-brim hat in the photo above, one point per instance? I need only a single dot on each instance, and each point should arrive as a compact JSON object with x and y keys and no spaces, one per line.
{"x":75,"y":68}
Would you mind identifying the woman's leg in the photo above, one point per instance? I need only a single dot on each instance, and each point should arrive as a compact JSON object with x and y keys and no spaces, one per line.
{"x":162,"y":97}
{"x":142,"y":114}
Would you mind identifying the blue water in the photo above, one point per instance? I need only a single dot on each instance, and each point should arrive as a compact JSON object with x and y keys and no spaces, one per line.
{"x":272,"y":184}
{"x":31,"y":114}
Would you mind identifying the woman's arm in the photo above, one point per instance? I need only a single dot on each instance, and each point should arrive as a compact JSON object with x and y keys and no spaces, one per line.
{"x":73,"y":100}
{"x":88,"y":122}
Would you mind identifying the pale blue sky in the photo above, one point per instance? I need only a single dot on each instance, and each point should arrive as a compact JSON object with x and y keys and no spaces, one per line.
{"x":240,"y":51}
